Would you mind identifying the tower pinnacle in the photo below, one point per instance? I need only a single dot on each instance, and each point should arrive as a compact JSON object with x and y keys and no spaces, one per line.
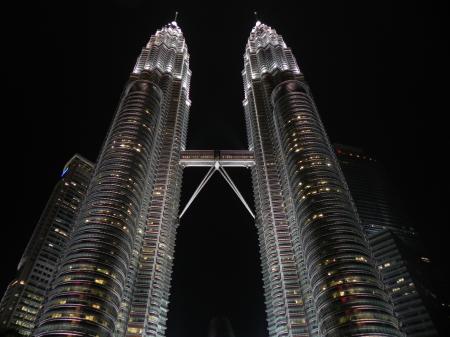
{"x":258,"y":22}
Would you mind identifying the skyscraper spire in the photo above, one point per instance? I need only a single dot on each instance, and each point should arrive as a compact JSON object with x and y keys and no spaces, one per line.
{"x":256,"y":16}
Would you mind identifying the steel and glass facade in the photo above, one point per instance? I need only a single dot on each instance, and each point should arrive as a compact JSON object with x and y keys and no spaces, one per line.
{"x":25,"y":295}
{"x":319,"y":275}
{"x":114,"y":278}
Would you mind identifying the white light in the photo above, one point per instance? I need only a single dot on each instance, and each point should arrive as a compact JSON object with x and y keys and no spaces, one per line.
{"x":258,"y":23}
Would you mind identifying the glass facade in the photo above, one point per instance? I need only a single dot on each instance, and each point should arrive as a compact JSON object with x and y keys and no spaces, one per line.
{"x":25,"y":295}
{"x":114,"y":277}
{"x":319,"y":275}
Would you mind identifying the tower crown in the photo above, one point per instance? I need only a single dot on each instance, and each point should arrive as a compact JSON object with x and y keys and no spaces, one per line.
{"x":266,"y":52}
{"x":172,"y":28}
{"x":263,"y":35}
{"x":166,"y":50}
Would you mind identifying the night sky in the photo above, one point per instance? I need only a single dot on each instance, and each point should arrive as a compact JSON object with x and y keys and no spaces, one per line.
{"x":379,"y":74}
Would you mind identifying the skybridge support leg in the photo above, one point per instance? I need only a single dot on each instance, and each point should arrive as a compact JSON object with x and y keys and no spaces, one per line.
{"x":209,"y":174}
{"x":235,"y":189}
{"x":199,"y":188}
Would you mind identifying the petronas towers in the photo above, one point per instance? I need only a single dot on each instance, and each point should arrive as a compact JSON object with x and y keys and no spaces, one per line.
{"x":113,"y":275}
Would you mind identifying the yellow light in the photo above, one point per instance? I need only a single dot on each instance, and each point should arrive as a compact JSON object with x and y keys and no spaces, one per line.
{"x":90,"y":317}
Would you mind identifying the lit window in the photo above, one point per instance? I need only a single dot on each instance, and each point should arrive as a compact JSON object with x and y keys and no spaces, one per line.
{"x":134,"y":330}
{"x":104,"y":271}
{"x":90,"y":317}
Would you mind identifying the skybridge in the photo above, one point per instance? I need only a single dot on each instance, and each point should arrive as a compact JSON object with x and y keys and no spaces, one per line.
{"x":225,"y":158}
{"x":217,"y":160}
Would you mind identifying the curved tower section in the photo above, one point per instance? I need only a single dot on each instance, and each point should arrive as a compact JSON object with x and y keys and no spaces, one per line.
{"x":300,"y":192}
{"x":99,"y":276}
{"x":148,"y":305}
{"x":287,"y":309}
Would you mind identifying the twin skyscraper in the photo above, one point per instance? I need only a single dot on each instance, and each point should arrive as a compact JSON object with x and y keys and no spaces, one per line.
{"x":112,"y":277}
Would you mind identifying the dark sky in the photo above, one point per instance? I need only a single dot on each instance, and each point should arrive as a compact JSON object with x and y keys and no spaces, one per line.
{"x":379,"y":74}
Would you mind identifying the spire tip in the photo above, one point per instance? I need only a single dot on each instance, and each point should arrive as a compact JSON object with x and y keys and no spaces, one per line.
{"x":258,"y":22}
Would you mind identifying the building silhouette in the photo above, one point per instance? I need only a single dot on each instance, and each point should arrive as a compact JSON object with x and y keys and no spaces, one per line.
{"x":26,"y":292}
{"x":399,"y":254}
{"x":220,"y":326}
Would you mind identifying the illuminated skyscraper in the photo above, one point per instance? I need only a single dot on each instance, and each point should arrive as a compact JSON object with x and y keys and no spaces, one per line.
{"x":25,"y":294}
{"x":319,"y":276}
{"x":114,"y":278}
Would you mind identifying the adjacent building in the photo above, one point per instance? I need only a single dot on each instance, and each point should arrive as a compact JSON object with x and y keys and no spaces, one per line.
{"x":25,"y":294}
{"x":399,"y":254}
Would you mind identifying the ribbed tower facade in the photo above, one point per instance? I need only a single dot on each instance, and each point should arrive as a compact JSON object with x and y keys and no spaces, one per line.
{"x":25,"y":295}
{"x":319,"y":275}
{"x":114,"y":277}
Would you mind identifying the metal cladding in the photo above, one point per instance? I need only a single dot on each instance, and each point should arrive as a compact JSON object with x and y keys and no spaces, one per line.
{"x":117,"y":267}
{"x":307,"y":222}
{"x":149,"y":302}
{"x":287,"y":310}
